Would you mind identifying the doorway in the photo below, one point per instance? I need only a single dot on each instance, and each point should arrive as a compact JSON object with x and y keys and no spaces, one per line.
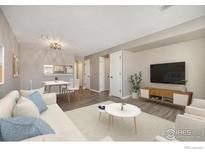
{"x":86,"y":82}
{"x":116,"y":74}
{"x":104,"y":73}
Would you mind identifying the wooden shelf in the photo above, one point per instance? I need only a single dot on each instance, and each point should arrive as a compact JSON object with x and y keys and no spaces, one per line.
{"x":174,"y":97}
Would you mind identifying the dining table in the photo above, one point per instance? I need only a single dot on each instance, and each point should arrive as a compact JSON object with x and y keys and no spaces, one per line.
{"x":59,"y":83}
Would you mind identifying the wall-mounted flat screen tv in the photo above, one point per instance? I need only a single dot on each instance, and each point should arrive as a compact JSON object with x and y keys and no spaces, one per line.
{"x":171,"y":73}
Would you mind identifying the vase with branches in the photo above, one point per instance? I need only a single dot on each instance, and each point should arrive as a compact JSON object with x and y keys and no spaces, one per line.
{"x":135,"y":81}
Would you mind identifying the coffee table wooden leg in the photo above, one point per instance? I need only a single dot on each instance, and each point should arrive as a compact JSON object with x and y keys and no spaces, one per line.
{"x":135,"y":125}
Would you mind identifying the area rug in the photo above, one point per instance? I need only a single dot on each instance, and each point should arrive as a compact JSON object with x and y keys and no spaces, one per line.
{"x":87,"y":121}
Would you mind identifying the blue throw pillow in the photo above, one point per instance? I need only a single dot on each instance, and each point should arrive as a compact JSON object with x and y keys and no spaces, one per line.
{"x":20,"y":128}
{"x":37,"y":99}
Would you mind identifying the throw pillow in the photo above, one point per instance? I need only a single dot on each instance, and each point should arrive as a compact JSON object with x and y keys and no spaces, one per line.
{"x":29,"y":92}
{"x":26,"y":108}
{"x":20,"y":128}
{"x":37,"y":99}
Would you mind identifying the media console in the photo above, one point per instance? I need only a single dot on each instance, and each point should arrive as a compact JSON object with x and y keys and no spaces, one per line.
{"x":172,"y":97}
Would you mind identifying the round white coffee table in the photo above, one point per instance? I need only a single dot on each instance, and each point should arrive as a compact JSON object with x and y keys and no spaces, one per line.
{"x":129,"y":111}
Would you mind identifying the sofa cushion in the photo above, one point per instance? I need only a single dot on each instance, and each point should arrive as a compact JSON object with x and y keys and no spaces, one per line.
{"x":29,"y":92}
{"x":37,"y":99}
{"x":19,"y":128}
{"x":26,"y":108}
{"x":61,"y":123}
{"x":7,"y":104}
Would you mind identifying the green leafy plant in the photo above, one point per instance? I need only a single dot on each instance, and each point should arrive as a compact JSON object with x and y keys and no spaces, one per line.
{"x":135,"y":81}
{"x":56,"y":78}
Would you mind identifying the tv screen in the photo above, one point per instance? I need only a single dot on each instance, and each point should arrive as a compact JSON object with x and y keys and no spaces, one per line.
{"x":172,"y":73}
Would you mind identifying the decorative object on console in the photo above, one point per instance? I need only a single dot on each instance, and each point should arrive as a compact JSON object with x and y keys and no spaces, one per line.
{"x":135,"y":81}
{"x":184,"y":82}
{"x":15,"y":66}
{"x":102,"y":107}
{"x":1,"y":65}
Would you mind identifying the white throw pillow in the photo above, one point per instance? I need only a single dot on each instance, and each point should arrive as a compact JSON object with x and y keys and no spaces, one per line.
{"x":8,"y":103}
{"x":29,"y":92}
{"x":26,"y":108}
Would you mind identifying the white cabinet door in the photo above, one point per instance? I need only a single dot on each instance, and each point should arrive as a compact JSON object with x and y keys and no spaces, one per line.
{"x":87,"y":74}
{"x":144,"y":93}
{"x":116,"y":74}
{"x":180,"y":99}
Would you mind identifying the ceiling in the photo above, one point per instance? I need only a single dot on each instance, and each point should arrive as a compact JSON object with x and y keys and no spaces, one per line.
{"x":88,"y":29}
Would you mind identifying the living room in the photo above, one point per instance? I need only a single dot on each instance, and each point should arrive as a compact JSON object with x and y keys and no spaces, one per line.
{"x":59,"y":82}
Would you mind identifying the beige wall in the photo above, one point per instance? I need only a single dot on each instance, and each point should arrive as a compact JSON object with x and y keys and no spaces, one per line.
{"x":128,"y":68}
{"x":32,"y":61}
{"x":184,"y":32}
{"x":192,"y":52}
{"x":8,"y":40}
{"x":94,"y":72}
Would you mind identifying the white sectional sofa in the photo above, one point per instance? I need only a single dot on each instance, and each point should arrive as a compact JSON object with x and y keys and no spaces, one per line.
{"x":64,"y":128}
{"x":193,"y":120}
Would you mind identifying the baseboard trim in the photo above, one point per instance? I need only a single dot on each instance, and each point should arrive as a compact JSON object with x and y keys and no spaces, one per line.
{"x":95,"y":90}
{"x":125,"y":97}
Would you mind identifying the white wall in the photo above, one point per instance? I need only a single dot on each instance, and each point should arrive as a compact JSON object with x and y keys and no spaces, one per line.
{"x":192,"y":52}
{"x":32,"y":61}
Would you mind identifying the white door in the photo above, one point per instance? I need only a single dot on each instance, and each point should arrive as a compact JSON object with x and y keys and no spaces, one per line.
{"x":101,"y":73}
{"x":87,"y":74}
{"x":116,"y":74}
{"x":107,"y":73}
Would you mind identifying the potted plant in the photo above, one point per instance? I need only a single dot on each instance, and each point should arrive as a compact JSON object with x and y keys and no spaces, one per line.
{"x":135,"y":81}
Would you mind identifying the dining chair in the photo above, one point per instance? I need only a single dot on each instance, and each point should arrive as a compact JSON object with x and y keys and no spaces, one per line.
{"x":76,"y":86}
{"x":72,"y":88}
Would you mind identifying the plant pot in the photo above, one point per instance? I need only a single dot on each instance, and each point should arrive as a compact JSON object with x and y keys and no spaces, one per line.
{"x":135,"y":95}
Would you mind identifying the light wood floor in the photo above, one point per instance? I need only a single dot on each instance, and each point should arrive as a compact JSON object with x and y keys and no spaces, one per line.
{"x":87,"y":97}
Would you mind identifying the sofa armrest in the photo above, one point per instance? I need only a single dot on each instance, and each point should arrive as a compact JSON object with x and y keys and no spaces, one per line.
{"x":200,"y":103}
{"x":194,"y":116}
{"x":195,"y":111}
{"x":162,"y":139}
{"x":49,"y":137}
{"x":193,"y":128}
{"x":49,"y":98}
